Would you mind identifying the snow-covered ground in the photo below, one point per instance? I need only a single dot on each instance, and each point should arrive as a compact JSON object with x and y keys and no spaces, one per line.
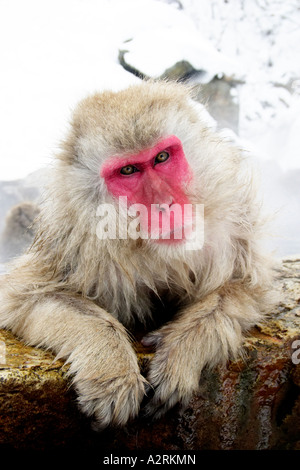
{"x":55,"y":52}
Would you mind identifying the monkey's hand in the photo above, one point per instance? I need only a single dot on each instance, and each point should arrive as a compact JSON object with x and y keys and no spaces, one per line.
{"x":109,"y":385}
{"x":103,"y":364}
{"x":205,"y":333}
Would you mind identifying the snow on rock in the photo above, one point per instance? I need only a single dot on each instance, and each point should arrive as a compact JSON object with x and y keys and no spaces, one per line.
{"x":155,"y":50}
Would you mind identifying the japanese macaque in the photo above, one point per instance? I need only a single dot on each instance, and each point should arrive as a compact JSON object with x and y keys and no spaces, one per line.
{"x":78,"y":292}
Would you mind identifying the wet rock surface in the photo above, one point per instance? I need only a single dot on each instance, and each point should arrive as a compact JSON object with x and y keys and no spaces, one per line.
{"x":252,"y":403}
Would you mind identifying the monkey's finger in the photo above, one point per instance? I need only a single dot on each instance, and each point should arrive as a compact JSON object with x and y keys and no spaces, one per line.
{"x":152,"y":339}
{"x":149,"y":394}
{"x":157,"y":407}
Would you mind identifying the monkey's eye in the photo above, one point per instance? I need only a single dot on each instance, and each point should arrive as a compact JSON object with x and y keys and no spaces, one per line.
{"x":161,"y":157}
{"x":128,"y":170}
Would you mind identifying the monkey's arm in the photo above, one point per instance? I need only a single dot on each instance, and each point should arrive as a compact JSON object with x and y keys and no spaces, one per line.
{"x":102,"y":361}
{"x":205,"y":333}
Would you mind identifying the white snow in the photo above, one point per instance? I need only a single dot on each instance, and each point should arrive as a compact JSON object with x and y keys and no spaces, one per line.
{"x":55,"y":52}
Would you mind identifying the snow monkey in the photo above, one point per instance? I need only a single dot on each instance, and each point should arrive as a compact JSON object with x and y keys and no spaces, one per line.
{"x":78,"y":293}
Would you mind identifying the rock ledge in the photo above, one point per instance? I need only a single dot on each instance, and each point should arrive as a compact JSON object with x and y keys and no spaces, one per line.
{"x":249,"y":404}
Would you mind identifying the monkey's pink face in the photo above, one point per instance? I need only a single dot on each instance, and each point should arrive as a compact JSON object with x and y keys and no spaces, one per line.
{"x":155,"y":178}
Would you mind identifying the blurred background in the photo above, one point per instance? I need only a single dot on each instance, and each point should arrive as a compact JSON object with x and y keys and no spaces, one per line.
{"x":242,"y":55}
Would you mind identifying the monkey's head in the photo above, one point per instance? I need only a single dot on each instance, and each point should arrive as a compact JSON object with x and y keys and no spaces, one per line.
{"x":146,"y":149}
